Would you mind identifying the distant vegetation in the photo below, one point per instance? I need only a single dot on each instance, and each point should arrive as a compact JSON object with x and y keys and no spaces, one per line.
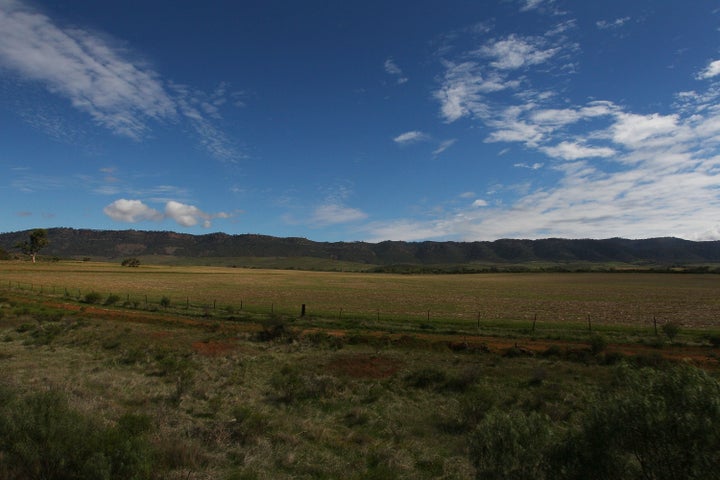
{"x":262,"y":251}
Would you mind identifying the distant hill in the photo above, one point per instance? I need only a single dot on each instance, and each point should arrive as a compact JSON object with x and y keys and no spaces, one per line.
{"x":113,"y":245}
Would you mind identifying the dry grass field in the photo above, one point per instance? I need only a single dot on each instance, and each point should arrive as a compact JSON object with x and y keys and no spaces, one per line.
{"x":629,"y":299}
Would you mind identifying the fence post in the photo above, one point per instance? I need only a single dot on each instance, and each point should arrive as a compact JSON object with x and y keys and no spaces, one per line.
{"x":534,"y":322}
{"x":589,"y":323}
{"x":302,"y":310}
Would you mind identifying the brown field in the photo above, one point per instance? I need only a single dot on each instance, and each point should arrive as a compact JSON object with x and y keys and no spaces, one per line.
{"x":611,"y":299}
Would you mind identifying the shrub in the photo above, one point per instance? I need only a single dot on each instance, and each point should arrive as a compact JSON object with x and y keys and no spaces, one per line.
{"x":598,"y":344}
{"x":425,"y":378}
{"x":112,"y":299}
{"x":654,"y":424}
{"x":42,"y":438}
{"x":511,"y":445}
{"x":131,"y":262}
{"x":671,"y":329}
{"x":657,"y":424}
{"x":165,"y":302}
{"x":92,"y":297}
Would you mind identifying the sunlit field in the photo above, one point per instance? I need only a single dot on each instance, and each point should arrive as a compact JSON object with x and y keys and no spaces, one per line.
{"x":629,"y":299}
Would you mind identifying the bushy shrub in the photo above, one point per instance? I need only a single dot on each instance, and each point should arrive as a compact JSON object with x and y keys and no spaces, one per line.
{"x":42,"y":438}
{"x":112,"y":299}
{"x":511,"y":445}
{"x":655,"y":424}
{"x":671,"y":329}
{"x":92,"y":297}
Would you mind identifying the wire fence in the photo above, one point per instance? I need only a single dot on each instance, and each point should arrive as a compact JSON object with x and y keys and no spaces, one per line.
{"x":239,"y":309}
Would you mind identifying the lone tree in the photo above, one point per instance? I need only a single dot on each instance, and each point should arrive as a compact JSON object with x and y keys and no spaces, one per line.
{"x":38,"y":240}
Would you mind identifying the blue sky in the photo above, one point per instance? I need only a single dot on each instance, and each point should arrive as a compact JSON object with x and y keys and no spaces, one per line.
{"x":363,"y":120}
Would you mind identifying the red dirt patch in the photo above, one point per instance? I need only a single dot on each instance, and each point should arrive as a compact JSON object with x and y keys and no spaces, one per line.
{"x":365,"y":366}
{"x":212,"y":349}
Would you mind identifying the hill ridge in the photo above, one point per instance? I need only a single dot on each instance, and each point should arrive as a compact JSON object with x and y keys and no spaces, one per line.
{"x":117,"y":244}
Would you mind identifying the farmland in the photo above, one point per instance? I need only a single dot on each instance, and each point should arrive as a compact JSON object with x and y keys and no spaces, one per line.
{"x":386,"y":376}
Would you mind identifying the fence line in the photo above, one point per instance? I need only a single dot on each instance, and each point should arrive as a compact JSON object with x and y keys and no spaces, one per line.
{"x":184,"y":304}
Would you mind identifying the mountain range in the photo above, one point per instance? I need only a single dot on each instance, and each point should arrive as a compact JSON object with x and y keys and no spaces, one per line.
{"x":110,"y":245}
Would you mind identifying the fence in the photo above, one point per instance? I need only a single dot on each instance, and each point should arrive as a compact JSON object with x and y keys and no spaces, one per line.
{"x":528,"y":323}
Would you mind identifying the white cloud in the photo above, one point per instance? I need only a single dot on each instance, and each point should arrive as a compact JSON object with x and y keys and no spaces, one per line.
{"x":131,"y":211}
{"x":611,"y":24}
{"x":185,"y":215}
{"x":575,"y":151}
{"x":641,"y":131}
{"x":463,"y":88}
{"x":407,"y":138}
{"x":117,"y":93}
{"x":527,"y":5}
{"x":444,"y":146}
{"x":101,"y":80}
{"x":514,"y":52}
{"x":480,"y":203}
{"x":391,"y":68}
{"x":712,"y":70}
{"x":331,"y":214}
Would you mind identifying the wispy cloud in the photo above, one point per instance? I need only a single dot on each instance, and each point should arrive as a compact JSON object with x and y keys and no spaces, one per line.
{"x":619,"y":172}
{"x":117,"y":93}
{"x":391,"y":68}
{"x":516,"y":52}
{"x":102,"y":80}
{"x":411,"y":137}
{"x":444,"y":145}
{"x":332,"y":214}
{"x":611,"y":24}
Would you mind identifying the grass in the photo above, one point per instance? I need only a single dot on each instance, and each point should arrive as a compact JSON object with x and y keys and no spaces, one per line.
{"x":541,"y":305}
{"x":266,"y":396}
{"x":273,"y":409}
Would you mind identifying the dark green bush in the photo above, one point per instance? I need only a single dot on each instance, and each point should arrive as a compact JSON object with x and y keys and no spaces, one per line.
{"x":653,"y":424}
{"x":42,"y":438}
{"x":92,"y":297}
{"x":671,"y":329}
{"x":112,"y":299}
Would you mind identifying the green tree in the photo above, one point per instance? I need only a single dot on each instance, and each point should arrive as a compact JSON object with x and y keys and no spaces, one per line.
{"x":37,"y":241}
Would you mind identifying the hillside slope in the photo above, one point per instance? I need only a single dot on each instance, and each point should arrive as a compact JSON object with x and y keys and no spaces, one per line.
{"x":116,"y":244}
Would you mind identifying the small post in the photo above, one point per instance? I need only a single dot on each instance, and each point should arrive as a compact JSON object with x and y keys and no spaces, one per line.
{"x":534,"y":322}
{"x":478,"y":321}
{"x":187,"y":303}
{"x":655,"y":324}
{"x":302,"y":310}
{"x":146,"y":304}
{"x":340,"y":315}
{"x":378,"y":314}
{"x":272,"y":307}
{"x":428,"y":315}
{"x":589,"y":323}
{"x":214,"y":304}
{"x":240,"y":305}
